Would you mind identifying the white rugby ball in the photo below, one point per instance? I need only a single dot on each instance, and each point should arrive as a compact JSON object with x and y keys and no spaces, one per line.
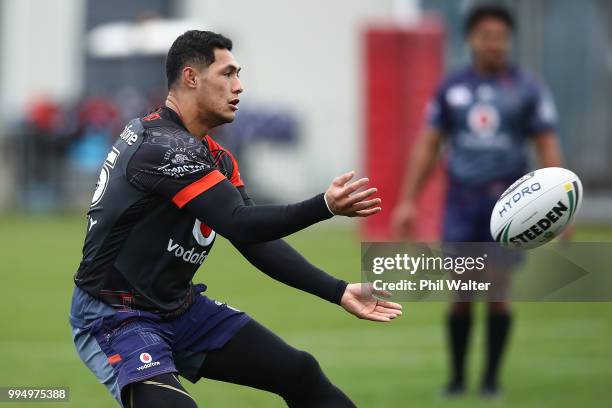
{"x":536,"y":208}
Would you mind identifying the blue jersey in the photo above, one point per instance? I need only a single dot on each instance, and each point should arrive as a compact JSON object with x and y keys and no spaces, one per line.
{"x":487,"y":121}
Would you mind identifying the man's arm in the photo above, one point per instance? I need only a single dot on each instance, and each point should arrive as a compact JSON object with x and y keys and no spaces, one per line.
{"x":422,"y":161}
{"x":541,"y":123}
{"x":190,"y":179}
{"x":548,"y":149}
{"x":281,"y":262}
{"x":223,"y":209}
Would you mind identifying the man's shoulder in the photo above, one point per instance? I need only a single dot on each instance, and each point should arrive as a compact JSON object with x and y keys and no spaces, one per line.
{"x":156,"y":130}
{"x":530,"y":80}
{"x":455,"y":89}
{"x":168,"y":148}
{"x":156,"y":123}
{"x":457,"y":76}
{"x":160,"y":134}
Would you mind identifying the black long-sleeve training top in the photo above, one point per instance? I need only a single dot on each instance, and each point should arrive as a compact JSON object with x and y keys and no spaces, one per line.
{"x":161,"y":197}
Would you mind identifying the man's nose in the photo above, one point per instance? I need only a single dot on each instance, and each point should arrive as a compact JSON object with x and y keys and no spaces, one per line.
{"x":237,"y":88}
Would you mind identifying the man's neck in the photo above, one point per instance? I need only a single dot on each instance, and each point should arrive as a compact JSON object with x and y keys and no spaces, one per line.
{"x":188,"y":115}
{"x":489,"y":70}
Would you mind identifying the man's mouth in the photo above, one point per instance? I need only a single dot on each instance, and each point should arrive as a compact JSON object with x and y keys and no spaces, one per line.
{"x":234,"y":104}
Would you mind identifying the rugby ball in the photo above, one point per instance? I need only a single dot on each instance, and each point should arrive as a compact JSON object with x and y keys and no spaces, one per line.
{"x":536,"y":208}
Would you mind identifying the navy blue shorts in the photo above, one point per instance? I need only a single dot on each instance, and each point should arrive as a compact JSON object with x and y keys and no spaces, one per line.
{"x":468,"y":210}
{"x":126,"y":346}
{"x":467,"y":218}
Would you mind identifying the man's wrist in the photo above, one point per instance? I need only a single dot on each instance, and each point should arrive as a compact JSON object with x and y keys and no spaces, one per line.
{"x":408,"y":200}
{"x":326,"y":204}
{"x":340,"y":289}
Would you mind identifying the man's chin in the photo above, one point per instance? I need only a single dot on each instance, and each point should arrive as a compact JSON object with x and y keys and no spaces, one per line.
{"x":229,"y":117}
{"x":225,"y":118}
{"x":494,"y":66}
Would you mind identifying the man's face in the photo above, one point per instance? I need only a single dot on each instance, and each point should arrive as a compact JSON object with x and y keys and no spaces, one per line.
{"x":218,"y":89}
{"x":490,"y":42}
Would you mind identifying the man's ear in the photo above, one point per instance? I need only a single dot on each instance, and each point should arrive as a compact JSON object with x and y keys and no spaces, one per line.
{"x":190,"y":77}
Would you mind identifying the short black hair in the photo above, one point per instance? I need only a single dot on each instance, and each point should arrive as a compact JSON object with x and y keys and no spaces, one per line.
{"x":482,"y":11}
{"x":193,"y":47}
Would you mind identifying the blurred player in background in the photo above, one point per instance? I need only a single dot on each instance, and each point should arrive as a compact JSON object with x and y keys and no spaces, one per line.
{"x":165,"y":189}
{"x":486,"y":114}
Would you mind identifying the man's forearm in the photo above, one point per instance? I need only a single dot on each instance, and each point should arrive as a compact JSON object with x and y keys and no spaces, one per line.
{"x":223,"y":209}
{"x":420,"y":165}
{"x":548,"y":150}
{"x":280,"y":261}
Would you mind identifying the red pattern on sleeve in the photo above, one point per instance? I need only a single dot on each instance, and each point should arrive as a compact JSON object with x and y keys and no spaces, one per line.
{"x":197,"y":187}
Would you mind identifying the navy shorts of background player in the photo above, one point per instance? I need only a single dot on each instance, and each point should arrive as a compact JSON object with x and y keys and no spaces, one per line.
{"x":487,"y":123}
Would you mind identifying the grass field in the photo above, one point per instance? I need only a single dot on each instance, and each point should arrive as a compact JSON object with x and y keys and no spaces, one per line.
{"x":560,"y":354}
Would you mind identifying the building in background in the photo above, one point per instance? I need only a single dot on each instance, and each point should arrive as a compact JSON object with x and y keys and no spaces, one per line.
{"x":304,"y":59}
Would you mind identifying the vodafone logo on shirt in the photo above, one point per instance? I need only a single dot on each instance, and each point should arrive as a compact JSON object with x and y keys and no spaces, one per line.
{"x":483,"y":119}
{"x":147,"y":359}
{"x":188,"y":255}
{"x":203,"y":234}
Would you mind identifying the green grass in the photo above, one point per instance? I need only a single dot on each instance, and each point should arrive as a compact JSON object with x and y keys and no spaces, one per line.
{"x":560,"y":354}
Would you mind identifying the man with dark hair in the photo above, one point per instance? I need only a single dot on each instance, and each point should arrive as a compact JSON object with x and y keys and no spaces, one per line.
{"x":486,"y":113}
{"x":193,"y":47}
{"x":165,"y":190}
{"x":485,"y":11}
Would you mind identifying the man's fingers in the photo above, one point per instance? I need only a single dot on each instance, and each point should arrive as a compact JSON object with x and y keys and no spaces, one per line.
{"x":364,"y":205}
{"x":354,"y":186}
{"x":362,"y":195}
{"x":380,"y":308}
{"x":390,"y":305}
{"x":341,"y":180}
{"x":348,"y":200}
{"x":377,"y":317}
{"x":387,"y":311}
{"x":383,"y":293}
{"x":367,"y":213}
{"x":384,"y":309}
{"x":352,"y":209}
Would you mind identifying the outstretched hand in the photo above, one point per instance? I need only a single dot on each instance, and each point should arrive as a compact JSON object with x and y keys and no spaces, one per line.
{"x":402,"y":219}
{"x":342,"y":197}
{"x":358,"y":300}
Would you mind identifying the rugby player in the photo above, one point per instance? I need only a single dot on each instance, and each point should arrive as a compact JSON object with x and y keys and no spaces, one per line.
{"x":165,"y":190}
{"x":487,"y":114}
